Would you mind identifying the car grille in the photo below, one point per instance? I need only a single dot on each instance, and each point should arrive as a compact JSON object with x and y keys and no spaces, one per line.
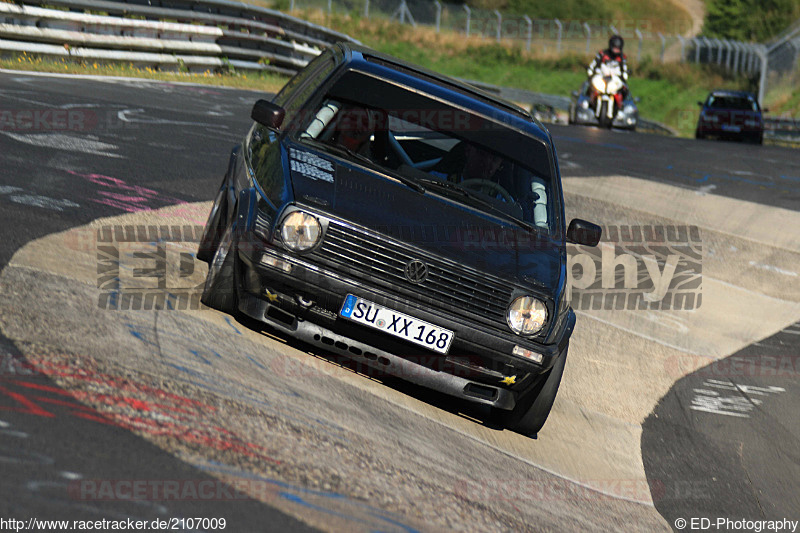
{"x":448,"y":285}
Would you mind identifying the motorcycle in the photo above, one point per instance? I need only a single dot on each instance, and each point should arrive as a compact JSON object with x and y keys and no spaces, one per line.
{"x":607,"y":84}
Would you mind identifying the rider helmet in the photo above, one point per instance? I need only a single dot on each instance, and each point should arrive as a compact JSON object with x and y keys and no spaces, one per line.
{"x":616,"y":42}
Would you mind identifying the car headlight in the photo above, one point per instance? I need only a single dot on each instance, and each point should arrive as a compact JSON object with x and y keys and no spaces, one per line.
{"x":629,"y":109}
{"x":526,"y":315}
{"x":300,"y":231}
{"x":585,"y":104}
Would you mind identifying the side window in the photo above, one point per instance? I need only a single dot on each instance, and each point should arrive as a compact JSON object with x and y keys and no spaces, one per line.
{"x":297,"y":90}
{"x":301,"y":77}
{"x":295,"y":93}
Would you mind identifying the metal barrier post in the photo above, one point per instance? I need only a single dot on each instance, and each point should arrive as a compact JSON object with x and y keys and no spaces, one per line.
{"x":683,"y":47}
{"x":438,"y":14}
{"x":559,"y":26}
{"x":727,"y":45}
{"x":639,"y":50}
{"x":710,"y":49}
{"x":366,"y":9}
{"x":529,"y":22}
{"x":469,"y":12}
{"x":663,"y":46}
{"x":761,"y":50}
{"x":499,"y":23}
{"x":588,"y":30}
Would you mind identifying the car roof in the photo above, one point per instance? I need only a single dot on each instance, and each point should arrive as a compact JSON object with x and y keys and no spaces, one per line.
{"x":448,"y":88}
{"x":726,"y":92}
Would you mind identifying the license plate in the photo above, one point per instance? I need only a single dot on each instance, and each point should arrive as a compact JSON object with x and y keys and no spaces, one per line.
{"x":728,"y":127}
{"x":397,"y":324}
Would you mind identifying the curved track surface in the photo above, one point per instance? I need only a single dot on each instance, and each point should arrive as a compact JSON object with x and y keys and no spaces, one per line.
{"x":208,"y":417}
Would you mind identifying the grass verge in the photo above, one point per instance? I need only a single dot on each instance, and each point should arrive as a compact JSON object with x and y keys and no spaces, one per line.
{"x":257,"y":81}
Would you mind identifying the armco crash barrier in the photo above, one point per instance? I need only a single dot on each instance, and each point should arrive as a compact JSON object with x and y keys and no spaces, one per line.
{"x":209,"y":34}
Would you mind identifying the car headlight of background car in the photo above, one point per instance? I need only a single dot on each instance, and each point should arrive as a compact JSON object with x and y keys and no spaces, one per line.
{"x":629,"y":109}
{"x":526,"y":315}
{"x":300,"y":231}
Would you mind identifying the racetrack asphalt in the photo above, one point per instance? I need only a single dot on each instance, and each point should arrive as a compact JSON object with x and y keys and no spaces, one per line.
{"x":324,"y":456}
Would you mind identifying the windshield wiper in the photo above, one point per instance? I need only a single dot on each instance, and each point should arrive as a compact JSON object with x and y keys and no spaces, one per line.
{"x":464,"y":192}
{"x":410,"y":182}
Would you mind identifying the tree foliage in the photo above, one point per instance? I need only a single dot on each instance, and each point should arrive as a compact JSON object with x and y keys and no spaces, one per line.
{"x":749,"y":20}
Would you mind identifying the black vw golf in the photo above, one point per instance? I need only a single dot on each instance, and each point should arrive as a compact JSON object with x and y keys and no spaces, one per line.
{"x":407,"y":221}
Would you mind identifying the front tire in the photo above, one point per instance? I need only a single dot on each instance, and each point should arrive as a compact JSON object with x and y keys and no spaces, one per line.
{"x":530,"y":414}
{"x":210,"y":240}
{"x":220,"y":289}
{"x":605,"y":122}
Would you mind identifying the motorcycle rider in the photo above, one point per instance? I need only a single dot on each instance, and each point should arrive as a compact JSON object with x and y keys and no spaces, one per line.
{"x":612,"y":54}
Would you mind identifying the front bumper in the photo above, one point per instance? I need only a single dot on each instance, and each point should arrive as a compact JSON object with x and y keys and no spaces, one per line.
{"x":727,"y":131}
{"x":304,"y":303}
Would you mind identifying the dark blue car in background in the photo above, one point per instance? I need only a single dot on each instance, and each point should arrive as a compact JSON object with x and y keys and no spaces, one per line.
{"x":731,"y":115}
{"x":407,"y":221}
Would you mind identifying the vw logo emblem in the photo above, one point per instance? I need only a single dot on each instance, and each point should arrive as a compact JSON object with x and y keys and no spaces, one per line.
{"x":416,"y":271}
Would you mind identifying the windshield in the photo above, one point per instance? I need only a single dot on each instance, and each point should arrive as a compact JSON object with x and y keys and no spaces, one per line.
{"x":430,"y":151}
{"x":732,"y":102}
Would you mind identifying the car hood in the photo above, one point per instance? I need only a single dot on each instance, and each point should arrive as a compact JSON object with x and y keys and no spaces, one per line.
{"x":431,"y":222}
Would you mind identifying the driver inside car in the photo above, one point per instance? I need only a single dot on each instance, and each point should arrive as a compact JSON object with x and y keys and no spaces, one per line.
{"x":355,"y":127}
{"x":476,"y":167}
{"x":479,"y":164}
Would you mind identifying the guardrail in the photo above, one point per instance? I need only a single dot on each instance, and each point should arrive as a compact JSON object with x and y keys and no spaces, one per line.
{"x":191,"y":34}
{"x":782,"y":130}
{"x":545,"y":106}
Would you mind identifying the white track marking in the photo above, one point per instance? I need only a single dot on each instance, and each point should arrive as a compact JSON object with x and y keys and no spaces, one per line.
{"x":71,"y":143}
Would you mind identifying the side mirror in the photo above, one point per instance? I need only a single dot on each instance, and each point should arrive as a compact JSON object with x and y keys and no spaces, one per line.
{"x":268,"y":114}
{"x":765,"y":110}
{"x":575,"y":94}
{"x":700,"y":104}
{"x":583,"y":232}
{"x":637,"y":99}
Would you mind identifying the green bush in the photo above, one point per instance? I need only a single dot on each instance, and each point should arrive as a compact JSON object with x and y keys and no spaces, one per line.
{"x":749,"y":20}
